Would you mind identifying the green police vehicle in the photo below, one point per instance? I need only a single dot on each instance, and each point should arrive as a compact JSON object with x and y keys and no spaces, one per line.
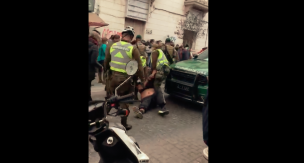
{"x":188,"y":79}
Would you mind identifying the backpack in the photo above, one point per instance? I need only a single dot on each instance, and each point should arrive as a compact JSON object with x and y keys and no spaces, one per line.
{"x":168,"y":56}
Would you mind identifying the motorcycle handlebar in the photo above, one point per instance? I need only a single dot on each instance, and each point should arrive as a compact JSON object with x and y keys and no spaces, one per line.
{"x":119,"y":98}
{"x":125,"y":96}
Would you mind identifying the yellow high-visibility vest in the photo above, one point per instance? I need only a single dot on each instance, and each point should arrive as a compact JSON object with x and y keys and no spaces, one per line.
{"x":162,"y":59}
{"x":143,"y":60}
{"x":121,"y":54}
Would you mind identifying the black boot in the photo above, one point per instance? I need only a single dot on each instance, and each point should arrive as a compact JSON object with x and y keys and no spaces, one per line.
{"x":124,"y":123}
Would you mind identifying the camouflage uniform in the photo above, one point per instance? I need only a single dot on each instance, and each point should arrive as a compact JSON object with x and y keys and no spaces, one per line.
{"x":116,"y":79}
{"x":142,"y":49}
{"x":162,"y":70}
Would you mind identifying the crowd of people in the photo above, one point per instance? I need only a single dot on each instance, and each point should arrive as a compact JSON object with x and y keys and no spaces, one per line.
{"x":153,"y":57}
{"x":108,"y":58}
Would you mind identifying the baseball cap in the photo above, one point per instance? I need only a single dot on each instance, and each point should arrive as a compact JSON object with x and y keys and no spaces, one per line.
{"x":168,"y":40}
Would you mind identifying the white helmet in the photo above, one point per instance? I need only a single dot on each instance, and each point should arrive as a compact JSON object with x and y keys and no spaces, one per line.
{"x":129,"y":29}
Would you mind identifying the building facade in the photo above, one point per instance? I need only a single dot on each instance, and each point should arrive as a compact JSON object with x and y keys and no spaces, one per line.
{"x":184,"y":21}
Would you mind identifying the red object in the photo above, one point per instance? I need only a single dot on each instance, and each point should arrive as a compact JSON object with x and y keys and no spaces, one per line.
{"x":201,"y":51}
{"x":112,"y":105}
{"x":127,"y":112}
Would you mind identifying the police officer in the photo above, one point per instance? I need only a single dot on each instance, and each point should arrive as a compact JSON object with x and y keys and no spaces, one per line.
{"x":160,"y":70}
{"x":141,"y":47}
{"x":117,"y":56}
{"x":169,"y":51}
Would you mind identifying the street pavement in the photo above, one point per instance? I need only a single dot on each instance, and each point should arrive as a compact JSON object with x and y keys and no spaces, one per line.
{"x":175,"y":138}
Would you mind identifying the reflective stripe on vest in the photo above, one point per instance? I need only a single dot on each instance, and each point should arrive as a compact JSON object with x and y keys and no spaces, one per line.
{"x":143,"y":60}
{"x":161,"y":58}
{"x":121,"y":54}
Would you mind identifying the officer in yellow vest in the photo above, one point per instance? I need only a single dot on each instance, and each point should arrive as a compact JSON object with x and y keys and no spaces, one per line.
{"x":117,"y":56}
{"x":160,"y":70}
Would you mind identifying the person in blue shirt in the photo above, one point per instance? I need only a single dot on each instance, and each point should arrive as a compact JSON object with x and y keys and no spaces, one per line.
{"x":101,"y":56}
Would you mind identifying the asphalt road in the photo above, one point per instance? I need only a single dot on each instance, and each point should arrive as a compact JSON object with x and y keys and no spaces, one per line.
{"x":175,"y":138}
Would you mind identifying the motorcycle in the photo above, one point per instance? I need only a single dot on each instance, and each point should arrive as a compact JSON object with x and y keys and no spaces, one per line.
{"x":112,"y":143}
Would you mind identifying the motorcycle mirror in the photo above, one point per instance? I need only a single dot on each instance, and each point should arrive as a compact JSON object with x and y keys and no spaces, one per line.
{"x":131,"y":67}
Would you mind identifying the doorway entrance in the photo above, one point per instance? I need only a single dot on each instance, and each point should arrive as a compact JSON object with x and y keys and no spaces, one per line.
{"x":137,"y":25}
{"x":189,"y":39}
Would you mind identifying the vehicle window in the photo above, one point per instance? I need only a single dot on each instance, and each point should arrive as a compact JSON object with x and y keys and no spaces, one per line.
{"x":204,"y":55}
